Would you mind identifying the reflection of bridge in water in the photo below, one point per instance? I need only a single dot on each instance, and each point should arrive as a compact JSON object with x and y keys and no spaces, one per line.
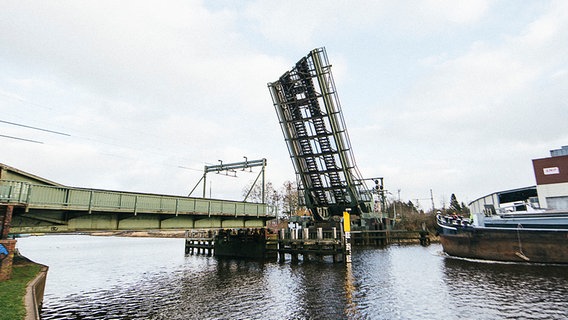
{"x":39,"y":205}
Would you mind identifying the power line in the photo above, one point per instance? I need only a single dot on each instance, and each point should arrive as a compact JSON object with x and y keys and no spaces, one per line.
{"x":95,"y":139}
{"x":186,"y":168}
{"x":88,"y":137}
{"x":21,"y":139}
{"x":35,"y":128}
{"x":80,"y":137}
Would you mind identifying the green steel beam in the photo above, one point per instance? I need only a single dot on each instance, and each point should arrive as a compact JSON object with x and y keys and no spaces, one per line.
{"x":41,"y":208}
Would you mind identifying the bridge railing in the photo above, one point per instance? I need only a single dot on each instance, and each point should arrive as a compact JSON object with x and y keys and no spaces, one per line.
{"x":66,"y":198}
{"x":13,"y":191}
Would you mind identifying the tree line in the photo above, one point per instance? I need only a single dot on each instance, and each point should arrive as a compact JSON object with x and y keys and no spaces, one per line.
{"x":409,"y":217}
{"x":407,"y":214}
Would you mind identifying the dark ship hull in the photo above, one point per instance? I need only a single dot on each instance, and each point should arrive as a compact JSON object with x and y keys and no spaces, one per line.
{"x":514,"y":244}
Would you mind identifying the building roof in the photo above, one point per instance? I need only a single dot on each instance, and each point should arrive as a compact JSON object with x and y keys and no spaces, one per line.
{"x":559,"y":152}
{"x":512,"y":195}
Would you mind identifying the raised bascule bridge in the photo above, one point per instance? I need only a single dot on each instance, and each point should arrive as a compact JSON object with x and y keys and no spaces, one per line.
{"x":312,"y":122}
{"x":330,"y":184}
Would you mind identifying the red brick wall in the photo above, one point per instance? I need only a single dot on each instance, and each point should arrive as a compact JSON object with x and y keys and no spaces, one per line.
{"x":6,"y":263}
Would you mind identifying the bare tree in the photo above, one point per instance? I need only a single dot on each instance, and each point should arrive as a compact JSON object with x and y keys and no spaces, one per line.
{"x":290,"y":197}
{"x":285,"y":199}
{"x":255,"y":195}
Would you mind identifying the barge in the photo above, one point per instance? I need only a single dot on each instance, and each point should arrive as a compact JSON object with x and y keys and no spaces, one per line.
{"x":532,"y":236}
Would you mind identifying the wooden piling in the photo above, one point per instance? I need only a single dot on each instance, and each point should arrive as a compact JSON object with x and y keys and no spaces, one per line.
{"x":313,"y":242}
{"x":255,"y":243}
{"x":199,"y":242}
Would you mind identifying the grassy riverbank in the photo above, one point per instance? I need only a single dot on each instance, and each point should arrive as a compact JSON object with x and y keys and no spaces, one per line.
{"x":13,"y":291}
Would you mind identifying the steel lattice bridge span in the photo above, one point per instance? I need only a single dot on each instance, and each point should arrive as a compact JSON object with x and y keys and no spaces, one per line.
{"x":310,"y":116}
{"x":38,"y":205}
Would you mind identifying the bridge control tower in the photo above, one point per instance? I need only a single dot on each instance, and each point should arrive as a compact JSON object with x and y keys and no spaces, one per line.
{"x":310,"y":116}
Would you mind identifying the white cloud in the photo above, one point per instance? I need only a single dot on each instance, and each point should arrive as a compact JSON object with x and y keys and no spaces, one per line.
{"x":463,"y":11}
{"x":449,"y":96}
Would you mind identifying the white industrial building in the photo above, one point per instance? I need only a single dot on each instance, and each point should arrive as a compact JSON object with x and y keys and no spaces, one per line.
{"x":551,"y":190}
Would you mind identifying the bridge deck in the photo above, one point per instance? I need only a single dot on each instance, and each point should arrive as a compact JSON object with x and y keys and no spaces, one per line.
{"x":66,"y":208}
{"x":93,"y":200}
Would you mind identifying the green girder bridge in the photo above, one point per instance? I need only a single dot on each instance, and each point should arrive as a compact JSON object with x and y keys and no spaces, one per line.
{"x":39,"y":205}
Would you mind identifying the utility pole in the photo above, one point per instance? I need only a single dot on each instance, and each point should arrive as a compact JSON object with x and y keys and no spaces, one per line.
{"x":432,"y":199}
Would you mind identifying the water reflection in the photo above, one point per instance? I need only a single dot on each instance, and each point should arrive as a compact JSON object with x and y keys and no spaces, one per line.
{"x":351,"y":310}
{"x":130,"y":278}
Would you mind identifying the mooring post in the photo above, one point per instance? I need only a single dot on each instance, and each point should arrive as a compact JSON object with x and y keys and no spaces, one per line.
{"x":211,"y":241}
{"x":305,"y":238}
{"x":347,"y":231}
{"x":294,"y":244}
{"x":281,"y":237}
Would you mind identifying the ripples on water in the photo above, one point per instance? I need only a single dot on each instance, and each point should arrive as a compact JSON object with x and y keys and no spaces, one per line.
{"x":509,"y":290}
{"x":141,"y":278}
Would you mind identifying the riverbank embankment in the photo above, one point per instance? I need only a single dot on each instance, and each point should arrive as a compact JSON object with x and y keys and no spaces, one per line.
{"x":21,"y":296}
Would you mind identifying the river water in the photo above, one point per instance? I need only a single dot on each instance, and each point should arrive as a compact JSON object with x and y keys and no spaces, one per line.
{"x":147,"y":278}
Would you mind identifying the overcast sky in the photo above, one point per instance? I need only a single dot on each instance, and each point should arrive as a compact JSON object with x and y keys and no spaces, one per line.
{"x":453,"y":96}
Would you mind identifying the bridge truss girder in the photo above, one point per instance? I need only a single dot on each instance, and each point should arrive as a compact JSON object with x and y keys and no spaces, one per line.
{"x":312,"y":122}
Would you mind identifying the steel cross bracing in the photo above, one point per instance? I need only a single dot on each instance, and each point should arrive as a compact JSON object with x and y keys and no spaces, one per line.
{"x":317,"y":139}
